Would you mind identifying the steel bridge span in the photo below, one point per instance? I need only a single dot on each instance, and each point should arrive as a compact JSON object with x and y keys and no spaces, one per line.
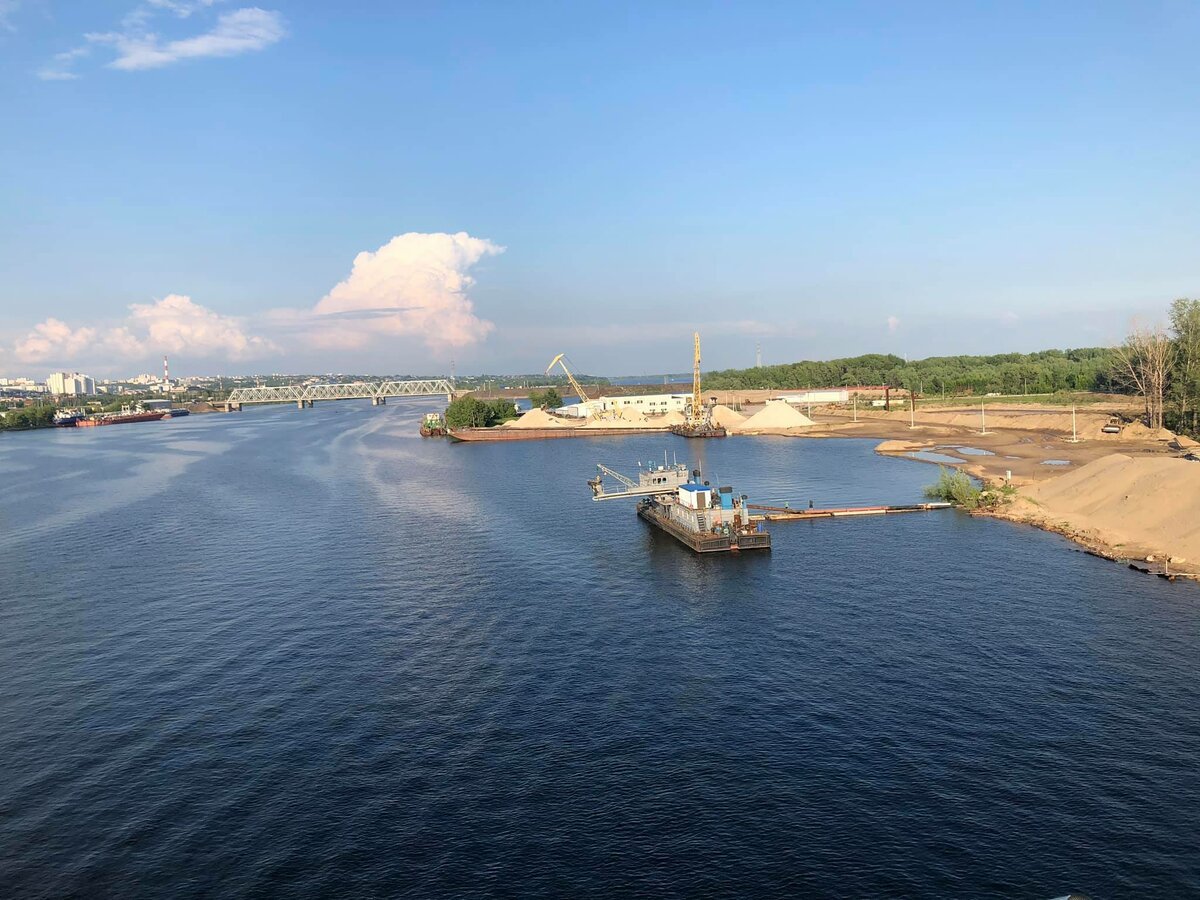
{"x":307,"y":394}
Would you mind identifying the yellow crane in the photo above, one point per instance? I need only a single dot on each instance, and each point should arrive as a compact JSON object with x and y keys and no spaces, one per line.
{"x":575,"y":385}
{"x":696,"y":414}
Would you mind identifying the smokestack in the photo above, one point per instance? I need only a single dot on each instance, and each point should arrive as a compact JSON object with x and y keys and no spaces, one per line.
{"x":166,"y":375}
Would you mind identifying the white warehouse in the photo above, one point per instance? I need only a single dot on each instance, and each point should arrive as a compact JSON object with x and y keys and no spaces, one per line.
{"x":817,"y":395}
{"x":645,"y":404}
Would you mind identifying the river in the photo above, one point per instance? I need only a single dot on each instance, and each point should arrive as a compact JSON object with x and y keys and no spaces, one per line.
{"x":306,"y":654}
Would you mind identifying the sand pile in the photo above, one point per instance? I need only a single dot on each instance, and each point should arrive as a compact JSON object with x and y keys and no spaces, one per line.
{"x":671,"y":418}
{"x":895,"y":446}
{"x":1142,"y":504}
{"x":777,"y":417}
{"x":725,"y":417}
{"x":539,"y":418}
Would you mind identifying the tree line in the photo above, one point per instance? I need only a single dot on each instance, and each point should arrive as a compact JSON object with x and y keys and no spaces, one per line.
{"x":1084,"y":369}
{"x":470,"y":412}
{"x":27,"y":417}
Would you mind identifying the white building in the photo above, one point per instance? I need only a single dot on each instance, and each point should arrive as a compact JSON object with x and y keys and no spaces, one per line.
{"x":26,"y":385}
{"x":816,"y":395}
{"x":72,"y":383}
{"x":646,"y":404}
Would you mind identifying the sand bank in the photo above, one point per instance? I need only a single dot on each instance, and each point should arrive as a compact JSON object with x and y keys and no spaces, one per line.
{"x":1144,"y":508}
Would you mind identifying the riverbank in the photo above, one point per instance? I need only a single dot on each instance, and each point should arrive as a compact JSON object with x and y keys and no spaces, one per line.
{"x":1131,"y":497}
{"x":1124,"y":508}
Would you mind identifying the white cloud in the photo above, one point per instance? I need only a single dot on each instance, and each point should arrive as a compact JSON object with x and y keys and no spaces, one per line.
{"x":178,"y":325}
{"x":60,"y":68}
{"x":893,"y":324}
{"x":237,"y":32}
{"x":139,"y":46}
{"x":181,"y":8}
{"x":414,"y":285}
{"x":174,"y":324}
{"x":53,"y":339}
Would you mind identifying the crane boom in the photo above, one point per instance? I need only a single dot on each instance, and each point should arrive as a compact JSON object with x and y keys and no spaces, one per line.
{"x":697,"y":415}
{"x":575,"y":385}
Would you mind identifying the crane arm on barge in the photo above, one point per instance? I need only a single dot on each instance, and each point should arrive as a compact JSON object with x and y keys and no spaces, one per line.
{"x":575,"y":385}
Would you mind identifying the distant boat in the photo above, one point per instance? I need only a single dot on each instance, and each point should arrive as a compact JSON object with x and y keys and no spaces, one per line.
{"x":127,"y":415}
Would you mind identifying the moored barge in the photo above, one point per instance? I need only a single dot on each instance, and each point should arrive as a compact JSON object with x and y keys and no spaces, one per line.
{"x":707,"y":519}
{"x":541,"y":434}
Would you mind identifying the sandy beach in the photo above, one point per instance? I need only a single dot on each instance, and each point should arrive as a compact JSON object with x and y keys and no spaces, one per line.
{"x":1132,"y":497}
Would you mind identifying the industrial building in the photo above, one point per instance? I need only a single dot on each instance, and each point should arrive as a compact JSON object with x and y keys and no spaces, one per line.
{"x":644,"y":404}
{"x":71,"y":383}
{"x":816,"y":395}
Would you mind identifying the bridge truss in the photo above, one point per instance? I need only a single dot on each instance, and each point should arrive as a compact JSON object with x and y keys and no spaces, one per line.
{"x":305,"y":394}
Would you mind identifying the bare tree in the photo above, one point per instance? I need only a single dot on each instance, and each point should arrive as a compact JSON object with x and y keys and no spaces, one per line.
{"x":1145,"y":359}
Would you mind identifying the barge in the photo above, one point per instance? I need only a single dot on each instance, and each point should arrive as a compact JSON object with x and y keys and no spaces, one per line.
{"x":706,"y":519}
{"x":126,"y":416}
{"x":709,"y":520}
{"x":540,"y":434}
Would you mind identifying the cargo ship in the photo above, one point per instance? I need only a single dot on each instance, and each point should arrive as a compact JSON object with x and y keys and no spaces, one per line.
{"x":674,"y":500}
{"x":124,"y":417}
{"x":176,"y":413}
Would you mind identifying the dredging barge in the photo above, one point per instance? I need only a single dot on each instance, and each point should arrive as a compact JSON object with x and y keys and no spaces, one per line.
{"x":706,"y":519}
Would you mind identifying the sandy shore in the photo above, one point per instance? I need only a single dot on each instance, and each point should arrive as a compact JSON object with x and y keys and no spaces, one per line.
{"x":1128,"y":497}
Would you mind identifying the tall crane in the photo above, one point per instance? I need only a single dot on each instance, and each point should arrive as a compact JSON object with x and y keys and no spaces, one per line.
{"x":575,"y":385}
{"x":696,"y":414}
{"x":699,"y":422}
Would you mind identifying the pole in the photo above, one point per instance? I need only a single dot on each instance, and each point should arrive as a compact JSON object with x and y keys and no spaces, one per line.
{"x":912,"y":410}
{"x":1074,"y":435}
{"x":982,"y":419}
{"x":856,"y":408}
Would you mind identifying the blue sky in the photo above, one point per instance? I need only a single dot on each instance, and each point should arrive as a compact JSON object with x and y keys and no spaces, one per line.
{"x":825,"y":179}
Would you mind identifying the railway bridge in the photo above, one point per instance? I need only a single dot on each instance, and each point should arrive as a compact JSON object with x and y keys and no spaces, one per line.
{"x":307,"y":394}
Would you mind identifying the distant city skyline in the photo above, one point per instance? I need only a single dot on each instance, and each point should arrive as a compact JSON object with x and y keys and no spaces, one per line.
{"x":302,"y":188}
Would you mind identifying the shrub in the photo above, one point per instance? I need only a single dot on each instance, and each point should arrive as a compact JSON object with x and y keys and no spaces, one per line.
{"x":955,"y":486}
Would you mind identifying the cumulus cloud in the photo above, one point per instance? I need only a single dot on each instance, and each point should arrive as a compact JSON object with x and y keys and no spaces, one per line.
{"x":174,"y":324}
{"x":53,"y":339}
{"x":178,"y":325}
{"x":893,"y":324}
{"x":240,"y":31}
{"x":415,"y":285}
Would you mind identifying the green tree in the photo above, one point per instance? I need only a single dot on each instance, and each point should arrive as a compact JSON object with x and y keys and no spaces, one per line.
{"x":470,"y":412}
{"x":500,"y":411}
{"x":1185,"y":385}
{"x":549,"y":398}
{"x":467,"y":412}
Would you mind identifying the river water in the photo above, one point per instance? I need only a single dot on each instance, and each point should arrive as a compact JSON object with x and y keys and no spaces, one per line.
{"x":311,"y":654}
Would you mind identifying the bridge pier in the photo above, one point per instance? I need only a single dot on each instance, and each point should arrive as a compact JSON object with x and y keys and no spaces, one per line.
{"x":300,"y":404}
{"x":379,"y":401}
